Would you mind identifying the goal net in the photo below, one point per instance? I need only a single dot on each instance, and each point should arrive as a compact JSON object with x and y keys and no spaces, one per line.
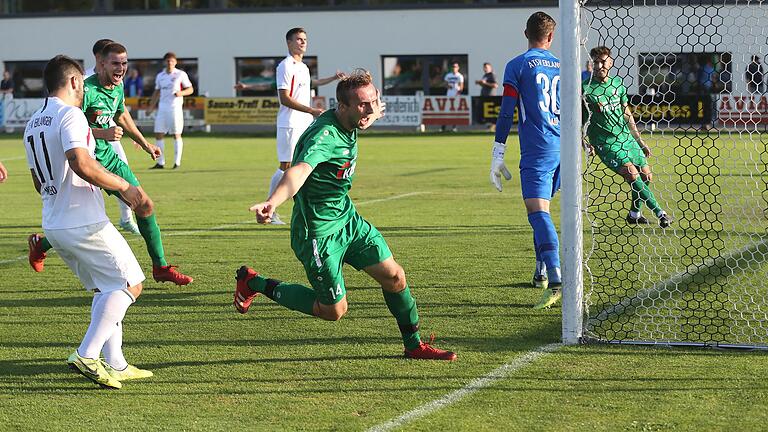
{"x":695,"y":76}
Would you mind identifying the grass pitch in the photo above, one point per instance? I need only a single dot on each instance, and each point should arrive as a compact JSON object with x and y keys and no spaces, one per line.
{"x":468,"y":257}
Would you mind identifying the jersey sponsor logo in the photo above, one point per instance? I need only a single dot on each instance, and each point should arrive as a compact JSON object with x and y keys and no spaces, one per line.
{"x":347,"y":170}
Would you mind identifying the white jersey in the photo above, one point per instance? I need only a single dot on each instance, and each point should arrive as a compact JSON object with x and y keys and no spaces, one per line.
{"x":169,"y":84}
{"x":68,"y":200}
{"x":88,"y":72}
{"x":454,"y":80}
{"x":294,"y":76}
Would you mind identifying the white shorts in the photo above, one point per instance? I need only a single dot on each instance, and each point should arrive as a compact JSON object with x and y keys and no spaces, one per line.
{"x":98,"y":255}
{"x":169,"y":121}
{"x":286,"y":142}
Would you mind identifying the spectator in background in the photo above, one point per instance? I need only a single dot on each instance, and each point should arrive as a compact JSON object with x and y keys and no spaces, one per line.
{"x":7,"y":84}
{"x":488,"y":84}
{"x":587,"y":72}
{"x":454,"y":81}
{"x":754,"y":75}
{"x":705,"y":76}
{"x":134,"y":84}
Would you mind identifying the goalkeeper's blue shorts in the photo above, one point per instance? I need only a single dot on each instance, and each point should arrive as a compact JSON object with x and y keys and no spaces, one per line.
{"x":540,"y":183}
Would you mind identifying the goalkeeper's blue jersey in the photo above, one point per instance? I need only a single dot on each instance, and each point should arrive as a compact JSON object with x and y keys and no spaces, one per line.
{"x":533,"y":78}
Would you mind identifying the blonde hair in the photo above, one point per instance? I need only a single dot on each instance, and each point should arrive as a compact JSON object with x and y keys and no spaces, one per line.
{"x":355,"y":80}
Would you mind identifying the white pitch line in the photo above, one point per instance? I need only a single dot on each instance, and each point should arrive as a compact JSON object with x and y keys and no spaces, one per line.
{"x":478,"y":384}
{"x":13,"y":158}
{"x":394,"y":197}
{"x":249,"y":221}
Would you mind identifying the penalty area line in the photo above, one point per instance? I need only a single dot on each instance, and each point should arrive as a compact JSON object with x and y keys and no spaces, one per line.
{"x":478,"y":384}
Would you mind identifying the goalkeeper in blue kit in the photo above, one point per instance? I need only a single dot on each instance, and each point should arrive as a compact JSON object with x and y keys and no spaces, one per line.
{"x":532,"y":82}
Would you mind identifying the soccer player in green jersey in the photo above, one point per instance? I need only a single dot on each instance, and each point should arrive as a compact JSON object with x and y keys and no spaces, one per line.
{"x":103,"y":101}
{"x":327,"y":231}
{"x":613,"y":135}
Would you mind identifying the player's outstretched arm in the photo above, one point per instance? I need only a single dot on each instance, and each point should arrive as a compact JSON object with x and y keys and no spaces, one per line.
{"x":293,"y":179}
{"x":129,"y":127}
{"x":323,"y":81}
{"x":3,"y":173}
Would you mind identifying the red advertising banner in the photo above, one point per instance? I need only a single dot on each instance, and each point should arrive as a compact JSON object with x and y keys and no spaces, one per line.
{"x":444,"y":110}
{"x":742,"y":110}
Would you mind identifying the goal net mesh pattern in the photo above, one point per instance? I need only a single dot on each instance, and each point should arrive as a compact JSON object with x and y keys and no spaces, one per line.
{"x":689,"y":68}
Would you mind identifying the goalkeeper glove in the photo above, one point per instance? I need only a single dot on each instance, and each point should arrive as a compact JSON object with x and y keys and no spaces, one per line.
{"x":498,"y":168}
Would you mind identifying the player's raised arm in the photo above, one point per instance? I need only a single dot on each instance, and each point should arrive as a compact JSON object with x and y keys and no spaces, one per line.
{"x":293,"y":179}
{"x":323,"y":81}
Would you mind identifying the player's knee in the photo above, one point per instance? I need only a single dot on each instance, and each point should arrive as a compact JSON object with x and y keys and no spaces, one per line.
{"x":629,"y":176}
{"x":647,"y":177}
{"x":333,"y":312}
{"x":395,"y":281}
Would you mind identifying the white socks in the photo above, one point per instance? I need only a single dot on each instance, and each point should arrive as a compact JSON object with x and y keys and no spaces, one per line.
{"x":275,"y":180}
{"x":161,"y":143}
{"x":113,"y":349}
{"x":178,"y":148}
{"x":107,"y":312}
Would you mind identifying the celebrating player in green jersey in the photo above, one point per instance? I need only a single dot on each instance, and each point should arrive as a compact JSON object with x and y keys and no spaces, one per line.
{"x":327,"y":231}
{"x":613,"y":135}
{"x":103,"y":101}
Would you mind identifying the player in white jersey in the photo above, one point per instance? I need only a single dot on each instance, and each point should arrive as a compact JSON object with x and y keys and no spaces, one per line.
{"x":126,"y":215}
{"x":454,"y":81}
{"x":60,"y":154}
{"x":294,"y":93}
{"x":171,"y":85}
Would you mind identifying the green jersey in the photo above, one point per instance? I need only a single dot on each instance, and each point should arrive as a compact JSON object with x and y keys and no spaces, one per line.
{"x":606,"y":102}
{"x":101,"y":105}
{"x":322,"y":206}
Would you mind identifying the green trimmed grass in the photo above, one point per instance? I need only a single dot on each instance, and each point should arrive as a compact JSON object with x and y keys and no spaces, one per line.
{"x":468,"y":257}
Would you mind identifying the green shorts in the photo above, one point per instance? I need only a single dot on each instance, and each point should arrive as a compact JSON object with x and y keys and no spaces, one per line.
{"x":616,"y":158}
{"x":121,"y":169}
{"x":358,"y":244}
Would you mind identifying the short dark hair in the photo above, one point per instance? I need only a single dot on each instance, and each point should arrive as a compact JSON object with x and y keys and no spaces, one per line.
{"x":357,"y":79}
{"x":113,"y":47}
{"x":100,"y":44}
{"x":170,"y":54}
{"x":486,"y":64}
{"x":539,"y":26}
{"x":293,"y":31}
{"x":58,"y":70}
{"x":599,"y":51}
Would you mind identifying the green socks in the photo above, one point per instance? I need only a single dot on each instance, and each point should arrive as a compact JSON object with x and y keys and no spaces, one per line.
{"x":645,"y":195}
{"x":45,"y":244}
{"x":403,"y":307}
{"x":293,"y":296}
{"x":151,"y":232}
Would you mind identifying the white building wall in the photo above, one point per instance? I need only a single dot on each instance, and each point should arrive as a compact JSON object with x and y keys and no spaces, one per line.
{"x":340,"y":39}
{"x":348,"y":39}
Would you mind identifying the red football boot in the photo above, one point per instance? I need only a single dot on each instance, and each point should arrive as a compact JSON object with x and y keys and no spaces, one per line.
{"x":425,"y":351}
{"x":170,"y":274}
{"x":244,"y":295}
{"x":36,"y":254}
